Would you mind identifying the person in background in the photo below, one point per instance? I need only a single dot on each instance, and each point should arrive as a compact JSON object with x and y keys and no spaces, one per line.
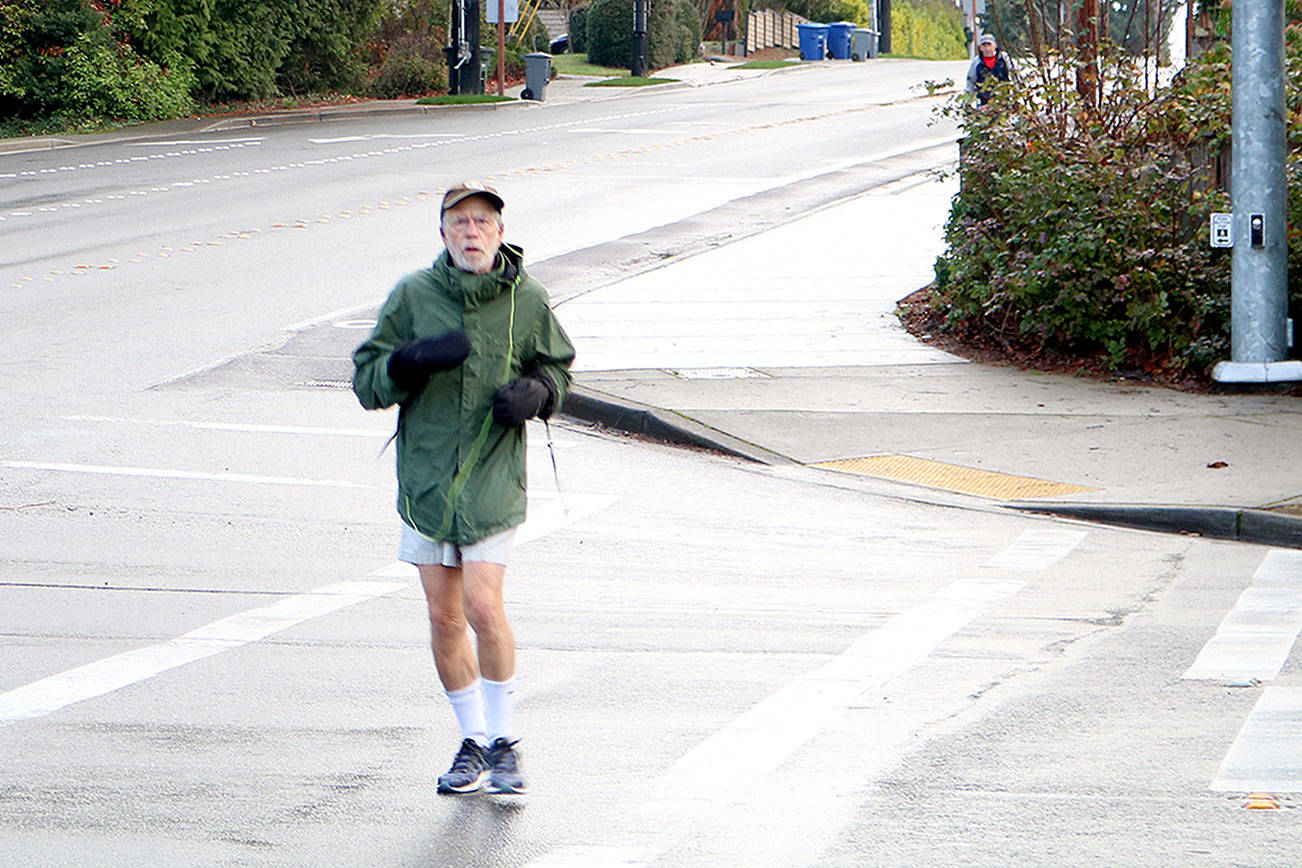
{"x":989,"y":63}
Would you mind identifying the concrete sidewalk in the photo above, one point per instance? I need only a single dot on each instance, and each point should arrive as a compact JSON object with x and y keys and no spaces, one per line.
{"x":784,"y":348}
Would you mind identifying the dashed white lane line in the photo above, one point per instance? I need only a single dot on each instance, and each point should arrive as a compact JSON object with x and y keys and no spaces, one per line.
{"x":762,"y":738}
{"x":252,"y":141}
{"x":1256,"y":637}
{"x":1266,"y":757}
{"x":1037,"y":549}
{"x":113,"y":673}
{"x":339,"y":139}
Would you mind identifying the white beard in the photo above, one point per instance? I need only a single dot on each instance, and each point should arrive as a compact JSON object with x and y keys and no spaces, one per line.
{"x":475,"y":263}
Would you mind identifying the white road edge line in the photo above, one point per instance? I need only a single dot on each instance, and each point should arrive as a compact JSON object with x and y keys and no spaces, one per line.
{"x":761,"y":739}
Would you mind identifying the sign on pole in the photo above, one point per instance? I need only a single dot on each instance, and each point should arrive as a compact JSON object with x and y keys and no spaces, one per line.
{"x":510,"y":11}
{"x":1222,"y":233}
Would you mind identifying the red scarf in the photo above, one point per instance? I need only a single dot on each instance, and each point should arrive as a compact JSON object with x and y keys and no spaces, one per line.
{"x":990,"y":61}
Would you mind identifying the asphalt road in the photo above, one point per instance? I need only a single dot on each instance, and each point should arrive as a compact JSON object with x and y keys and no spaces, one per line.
{"x":211,"y":658}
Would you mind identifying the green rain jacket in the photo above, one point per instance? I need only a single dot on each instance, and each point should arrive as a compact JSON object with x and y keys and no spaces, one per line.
{"x":446,"y":431}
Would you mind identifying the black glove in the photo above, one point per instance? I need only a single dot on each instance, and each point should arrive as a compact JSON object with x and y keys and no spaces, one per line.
{"x":534,"y":394}
{"x":413,"y":362}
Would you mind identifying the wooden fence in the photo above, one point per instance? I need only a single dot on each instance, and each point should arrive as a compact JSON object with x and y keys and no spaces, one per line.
{"x":769,"y":29}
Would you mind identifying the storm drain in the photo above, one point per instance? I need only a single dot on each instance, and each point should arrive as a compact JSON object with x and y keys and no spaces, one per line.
{"x":952,"y":477}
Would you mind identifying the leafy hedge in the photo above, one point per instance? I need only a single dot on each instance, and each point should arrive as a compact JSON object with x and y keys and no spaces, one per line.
{"x":68,"y":61}
{"x":578,"y":24}
{"x":673,"y":31}
{"x":1083,"y":228}
{"x":68,"y":58}
{"x":610,"y":32}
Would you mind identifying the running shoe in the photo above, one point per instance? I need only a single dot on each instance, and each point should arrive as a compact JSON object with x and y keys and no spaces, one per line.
{"x":505,"y":778}
{"x":469,"y":770}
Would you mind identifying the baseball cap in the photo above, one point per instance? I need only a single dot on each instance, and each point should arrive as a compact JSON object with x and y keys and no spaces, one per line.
{"x":463,"y":190}
{"x":987,"y":39}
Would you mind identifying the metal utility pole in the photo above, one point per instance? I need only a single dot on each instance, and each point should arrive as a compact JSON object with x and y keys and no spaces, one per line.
{"x":463,"y":53}
{"x":1259,"y":266}
{"x":641,"y":46}
{"x":884,"y":26}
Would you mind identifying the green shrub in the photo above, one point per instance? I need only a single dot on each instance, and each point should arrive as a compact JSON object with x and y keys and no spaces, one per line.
{"x":610,"y":33}
{"x":15,"y":18}
{"x":325,"y":43}
{"x":687,"y":37}
{"x":112,"y":81}
{"x":1084,"y":230}
{"x":579,"y":29}
{"x":36,"y":39}
{"x":129,"y":58}
{"x":406,"y":50}
{"x":411,"y":67}
{"x":673,"y":31}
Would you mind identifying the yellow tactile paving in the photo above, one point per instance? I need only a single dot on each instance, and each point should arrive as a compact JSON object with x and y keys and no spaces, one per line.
{"x":952,"y":477}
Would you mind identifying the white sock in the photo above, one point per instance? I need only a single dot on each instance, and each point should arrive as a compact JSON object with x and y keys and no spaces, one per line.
{"x":468,"y":706}
{"x":499,"y":707}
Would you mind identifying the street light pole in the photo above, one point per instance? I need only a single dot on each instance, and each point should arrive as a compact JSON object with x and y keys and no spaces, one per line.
{"x":638,"y":67}
{"x":1258,"y":189}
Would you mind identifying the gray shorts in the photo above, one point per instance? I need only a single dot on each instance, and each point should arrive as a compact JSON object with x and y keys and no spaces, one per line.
{"x":418,"y":550}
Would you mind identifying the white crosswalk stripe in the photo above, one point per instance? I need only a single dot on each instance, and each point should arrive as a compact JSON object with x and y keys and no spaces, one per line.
{"x":1252,"y":644}
{"x":1267,"y":754}
{"x":1255,"y":639}
{"x":762,"y":738}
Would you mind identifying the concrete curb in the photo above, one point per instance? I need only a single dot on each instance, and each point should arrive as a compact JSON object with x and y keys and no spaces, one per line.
{"x":644,"y":420}
{"x":234,"y":122}
{"x":1217,"y":522}
{"x":325,"y":115}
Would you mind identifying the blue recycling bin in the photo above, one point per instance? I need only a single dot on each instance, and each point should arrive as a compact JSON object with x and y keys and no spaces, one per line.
{"x":813,"y":40}
{"x":839,"y":35}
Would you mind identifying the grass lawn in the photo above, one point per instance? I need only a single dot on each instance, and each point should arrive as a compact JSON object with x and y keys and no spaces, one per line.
{"x":463,"y":99}
{"x":766,"y":64}
{"x":577,"y":64}
{"x":629,"y":81}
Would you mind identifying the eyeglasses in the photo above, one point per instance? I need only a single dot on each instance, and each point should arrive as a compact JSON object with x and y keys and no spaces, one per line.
{"x":461,"y":222}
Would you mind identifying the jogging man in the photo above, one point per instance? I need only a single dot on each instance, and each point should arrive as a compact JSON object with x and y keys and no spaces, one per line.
{"x":468,"y":349}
